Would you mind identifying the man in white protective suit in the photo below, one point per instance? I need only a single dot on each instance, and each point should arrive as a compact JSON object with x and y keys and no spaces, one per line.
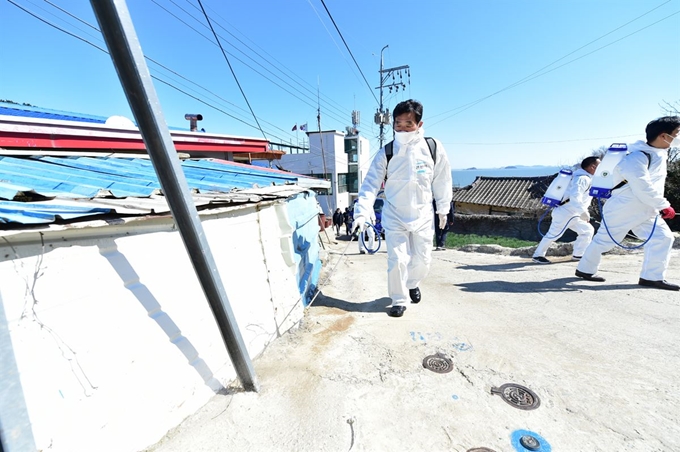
{"x":635,"y":204}
{"x":572,"y":213}
{"x":414,"y":175}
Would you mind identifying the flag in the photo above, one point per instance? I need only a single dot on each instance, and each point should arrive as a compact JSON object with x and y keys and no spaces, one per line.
{"x":294,"y":128}
{"x":303,"y":127}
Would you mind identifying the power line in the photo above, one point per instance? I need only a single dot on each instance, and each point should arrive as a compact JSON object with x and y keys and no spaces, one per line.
{"x":350,"y":52}
{"x":153,"y":76}
{"x":231,"y":69}
{"x":265,"y":68}
{"x":157,"y":63}
{"x":57,"y":27}
{"x":536,"y":75}
{"x":77,"y":18}
{"x":207,"y":90}
{"x":287,"y":72}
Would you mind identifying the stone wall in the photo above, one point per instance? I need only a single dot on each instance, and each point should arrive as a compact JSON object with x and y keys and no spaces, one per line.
{"x":519,"y":227}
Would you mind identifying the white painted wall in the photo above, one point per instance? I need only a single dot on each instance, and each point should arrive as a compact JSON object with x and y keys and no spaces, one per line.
{"x":114,"y":340}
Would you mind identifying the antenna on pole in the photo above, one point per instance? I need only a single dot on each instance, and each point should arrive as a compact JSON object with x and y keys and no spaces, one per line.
{"x":382,"y":116}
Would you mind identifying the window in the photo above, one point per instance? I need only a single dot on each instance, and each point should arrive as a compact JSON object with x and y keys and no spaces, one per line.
{"x":348,"y":182}
{"x":342,"y":182}
{"x":351,"y":145}
{"x":322,"y":191}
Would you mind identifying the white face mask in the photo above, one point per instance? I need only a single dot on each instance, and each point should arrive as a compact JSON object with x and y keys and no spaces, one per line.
{"x":675,"y":142}
{"x":405,"y":137}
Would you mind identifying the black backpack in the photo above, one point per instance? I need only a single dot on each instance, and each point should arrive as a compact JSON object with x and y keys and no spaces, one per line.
{"x":389,"y":151}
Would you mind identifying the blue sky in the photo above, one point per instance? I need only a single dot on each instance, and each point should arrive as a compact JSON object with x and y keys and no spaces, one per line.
{"x":597,"y":71}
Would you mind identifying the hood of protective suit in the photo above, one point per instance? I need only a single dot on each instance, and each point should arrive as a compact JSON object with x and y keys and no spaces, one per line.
{"x":646,"y":176}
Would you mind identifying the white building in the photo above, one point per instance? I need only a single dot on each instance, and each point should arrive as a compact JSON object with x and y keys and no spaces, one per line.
{"x":333,"y":155}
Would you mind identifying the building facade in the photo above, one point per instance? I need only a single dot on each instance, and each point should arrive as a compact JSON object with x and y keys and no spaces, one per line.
{"x":343,"y":159}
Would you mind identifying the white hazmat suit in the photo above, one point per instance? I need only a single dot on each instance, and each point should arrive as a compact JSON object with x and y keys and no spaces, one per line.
{"x":573,"y":215}
{"x":413,"y":179}
{"x":634,"y":207}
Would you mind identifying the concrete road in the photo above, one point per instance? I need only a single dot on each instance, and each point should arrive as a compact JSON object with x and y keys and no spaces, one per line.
{"x":602,"y":358}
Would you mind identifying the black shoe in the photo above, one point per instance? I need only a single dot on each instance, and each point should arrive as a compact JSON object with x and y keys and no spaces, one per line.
{"x":362,"y":252}
{"x":415,"y":295}
{"x":589,"y":276}
{"x":576,"y":258}
{"x":396,"y":311}
{"x":540,"y":260}
{"x":658,"y":284}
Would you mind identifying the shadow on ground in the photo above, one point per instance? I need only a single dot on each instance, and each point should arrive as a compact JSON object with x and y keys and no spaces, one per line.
{"x":379,"y":305}
{"x":515,"y":265}
{"x":496,"y":267}
{"x":553,"y":285}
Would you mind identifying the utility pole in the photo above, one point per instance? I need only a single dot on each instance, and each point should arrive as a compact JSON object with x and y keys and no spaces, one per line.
{"x":382,"y":116}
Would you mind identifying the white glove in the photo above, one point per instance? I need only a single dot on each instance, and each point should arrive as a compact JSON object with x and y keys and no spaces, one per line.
{"x":442,"y":220}
{"x":359,"y":222}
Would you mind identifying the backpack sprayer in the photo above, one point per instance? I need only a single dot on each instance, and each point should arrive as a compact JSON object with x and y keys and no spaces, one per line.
{"x":603,"y":185}
{"x":554,"y":197}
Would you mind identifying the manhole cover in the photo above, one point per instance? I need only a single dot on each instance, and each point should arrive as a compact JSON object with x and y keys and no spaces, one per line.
{"x":481,"y":449}
{"x":438,"y":363}
{"x":530,"y":442}
{"x":518,"y":396}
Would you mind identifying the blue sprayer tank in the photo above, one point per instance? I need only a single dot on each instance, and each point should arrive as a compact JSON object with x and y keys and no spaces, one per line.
{"x":603,"y":180}
{"x":555,"y":192}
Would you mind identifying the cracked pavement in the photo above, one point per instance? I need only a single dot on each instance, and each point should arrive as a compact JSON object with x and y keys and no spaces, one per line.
{"x":602,"y":357}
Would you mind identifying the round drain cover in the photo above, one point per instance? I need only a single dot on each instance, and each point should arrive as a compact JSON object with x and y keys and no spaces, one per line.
{"x":518,"y":396}
{"x":438,"y":363}
{"x":530,"y":442}
{"x":481,"y":449}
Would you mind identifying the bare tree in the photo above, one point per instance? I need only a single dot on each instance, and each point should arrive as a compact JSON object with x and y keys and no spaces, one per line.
{"x":599,"y":152}
{"x":671,"y":108}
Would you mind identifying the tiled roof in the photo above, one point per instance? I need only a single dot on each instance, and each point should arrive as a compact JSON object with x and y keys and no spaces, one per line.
{"x":522,"y":193}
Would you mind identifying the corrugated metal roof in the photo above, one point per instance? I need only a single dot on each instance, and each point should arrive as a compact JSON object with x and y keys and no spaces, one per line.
{"x":38,"y":112}
{"x":97,"y":185}
{"x":522,"y":193}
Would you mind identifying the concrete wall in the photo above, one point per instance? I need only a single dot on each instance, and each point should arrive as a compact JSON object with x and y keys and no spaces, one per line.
{"x":114,"y":340}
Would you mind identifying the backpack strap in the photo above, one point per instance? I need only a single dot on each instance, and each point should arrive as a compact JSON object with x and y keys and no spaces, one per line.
{"x":433,"y":148}
{"x":649,"y":162}
{"x":431,"y":144}
{"x":389,"y":151}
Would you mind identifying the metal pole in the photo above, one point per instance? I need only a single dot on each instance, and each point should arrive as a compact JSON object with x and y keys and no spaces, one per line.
{"x":382,"y":122}
{"x":121,"y":39}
